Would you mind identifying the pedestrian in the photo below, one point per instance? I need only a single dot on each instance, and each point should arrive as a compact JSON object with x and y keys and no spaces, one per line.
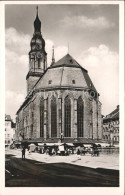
{"x":23,"y":153}
{"x":78,"y":153}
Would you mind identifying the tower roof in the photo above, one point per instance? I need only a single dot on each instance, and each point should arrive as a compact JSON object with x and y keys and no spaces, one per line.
{"x":37,"y":23}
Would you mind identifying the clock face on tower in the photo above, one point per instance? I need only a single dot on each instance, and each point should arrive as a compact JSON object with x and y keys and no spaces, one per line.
{"x":39,"y":55}
{"x":38,"y":46}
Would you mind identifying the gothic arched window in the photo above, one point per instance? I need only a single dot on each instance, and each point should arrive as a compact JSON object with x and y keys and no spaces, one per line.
{"x":80,"y":115}
{"x":53,"y":117}
{"x":42,"y":118}
{"x":39,"y":61}
{"x":67,"y":117}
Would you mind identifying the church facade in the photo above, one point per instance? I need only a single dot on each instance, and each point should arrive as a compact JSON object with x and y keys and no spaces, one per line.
{"x":62,"y":102}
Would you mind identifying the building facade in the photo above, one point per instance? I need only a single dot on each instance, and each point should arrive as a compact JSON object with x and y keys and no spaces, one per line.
{"x":61,"y":102}
{"x":111,"y":127}
{"x":10,"y":127}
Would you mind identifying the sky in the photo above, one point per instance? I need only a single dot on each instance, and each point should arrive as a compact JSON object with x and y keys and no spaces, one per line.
{"x":92,"y":33}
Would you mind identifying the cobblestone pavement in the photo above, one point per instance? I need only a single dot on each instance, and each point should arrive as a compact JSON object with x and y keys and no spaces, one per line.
{"x":40,"y":173}
{"x":103,"y":161}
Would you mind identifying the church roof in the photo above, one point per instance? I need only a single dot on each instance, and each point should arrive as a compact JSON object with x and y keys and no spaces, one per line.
{"x":67,"y":60}
{"x":65,"y":73}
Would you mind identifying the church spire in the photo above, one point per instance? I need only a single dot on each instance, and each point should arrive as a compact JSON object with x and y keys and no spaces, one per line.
{"x":37,"y":55}
{"x":37,"y":10}
{"x":37,"y":22}
{"x":53,"y":57}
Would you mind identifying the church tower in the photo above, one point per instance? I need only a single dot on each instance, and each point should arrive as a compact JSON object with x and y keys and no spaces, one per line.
{"x":37,"y":56}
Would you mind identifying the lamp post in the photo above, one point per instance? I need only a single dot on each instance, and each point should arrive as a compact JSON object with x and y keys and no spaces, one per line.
{"x":61,"y":137}
{"x":91,"y":124}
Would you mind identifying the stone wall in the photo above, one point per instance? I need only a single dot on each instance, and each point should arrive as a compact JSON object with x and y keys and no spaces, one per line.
{"x":31,"y":82}
{"x":29,"y":116}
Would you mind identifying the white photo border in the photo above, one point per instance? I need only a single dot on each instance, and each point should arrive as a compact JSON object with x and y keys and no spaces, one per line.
{"x":65,"y":190}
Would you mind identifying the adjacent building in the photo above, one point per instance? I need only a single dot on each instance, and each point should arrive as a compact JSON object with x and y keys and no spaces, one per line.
{"x":10,"y":127}
{"x":111,"y":127}
{"x":62,"y":103}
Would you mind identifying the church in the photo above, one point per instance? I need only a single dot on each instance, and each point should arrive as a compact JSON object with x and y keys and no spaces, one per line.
{"x":62,"y":104}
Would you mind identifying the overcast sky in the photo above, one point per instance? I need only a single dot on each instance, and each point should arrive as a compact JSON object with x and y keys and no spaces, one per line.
{"x":92,"y":34}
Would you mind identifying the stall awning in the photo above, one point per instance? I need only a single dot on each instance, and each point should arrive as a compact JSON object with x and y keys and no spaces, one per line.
{"x":69,"y":144}
{"x":87,"y":145}
{"x":104,"y":144}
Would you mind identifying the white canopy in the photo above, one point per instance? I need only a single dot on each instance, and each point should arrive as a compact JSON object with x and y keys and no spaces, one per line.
{"x":58,"y":144}
{"x":103,"y":144}
{"x":40,"y":144}
{"x":49,"y":144}
{"x":32,"y":145}
{"x":69,"y":144}
{"x":87,"y":145}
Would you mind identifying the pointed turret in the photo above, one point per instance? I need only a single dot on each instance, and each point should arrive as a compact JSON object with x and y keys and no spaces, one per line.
{"x":53,"y":57}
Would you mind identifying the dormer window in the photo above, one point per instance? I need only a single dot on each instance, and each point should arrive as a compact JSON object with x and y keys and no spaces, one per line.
{"x":50,"y":81}
{"x":71,"y":61}
{"x":73,"y":81}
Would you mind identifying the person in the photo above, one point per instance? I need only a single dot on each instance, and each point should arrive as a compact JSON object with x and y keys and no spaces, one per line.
{"x":78,"y":153}
{"x":23,"y":153}
{"x":92,"y":150}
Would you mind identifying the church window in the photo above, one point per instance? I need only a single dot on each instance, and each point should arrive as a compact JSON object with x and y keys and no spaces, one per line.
{"x":50,"y":81}
{"x":67,"y":117}
{"x":80,"y":115}
{"x":53,"y":117}
{"x":39,"y":60}
{"x":32,"y":62}
{"x":32,"y":117}
{"x":42,"y":118}
{"x":73,"y":81}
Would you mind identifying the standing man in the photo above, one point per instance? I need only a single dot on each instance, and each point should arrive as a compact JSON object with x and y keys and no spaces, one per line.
{"x":23,"y":153}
